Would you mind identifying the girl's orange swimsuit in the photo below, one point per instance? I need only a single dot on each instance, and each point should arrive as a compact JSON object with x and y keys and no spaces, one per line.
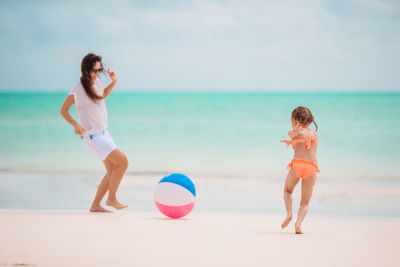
{"x":303,"y":168}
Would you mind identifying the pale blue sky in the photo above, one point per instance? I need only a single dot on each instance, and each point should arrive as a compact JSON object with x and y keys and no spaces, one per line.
{"x":204,"y":45}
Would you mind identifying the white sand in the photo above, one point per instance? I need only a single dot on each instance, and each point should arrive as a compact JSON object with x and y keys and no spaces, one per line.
{"x":78,"y":238}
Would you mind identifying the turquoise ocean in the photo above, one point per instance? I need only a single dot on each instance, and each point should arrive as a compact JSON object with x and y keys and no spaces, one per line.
{"x":228,"y":143}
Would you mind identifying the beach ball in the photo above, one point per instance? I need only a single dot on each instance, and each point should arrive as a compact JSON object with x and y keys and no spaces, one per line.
{"x":175,"y":195}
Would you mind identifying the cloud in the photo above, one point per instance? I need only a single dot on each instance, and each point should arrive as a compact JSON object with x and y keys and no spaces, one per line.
{"x":206,"y":45}
{"x":387,"y":6}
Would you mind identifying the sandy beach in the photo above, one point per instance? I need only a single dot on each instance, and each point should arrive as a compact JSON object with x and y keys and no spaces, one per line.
{"x":129,"y":238}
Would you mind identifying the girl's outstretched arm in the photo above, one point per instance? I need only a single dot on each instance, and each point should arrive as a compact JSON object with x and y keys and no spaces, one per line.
{"x":292,"y":135}
{"x":65,"y":113}
{"x":286,"y":141}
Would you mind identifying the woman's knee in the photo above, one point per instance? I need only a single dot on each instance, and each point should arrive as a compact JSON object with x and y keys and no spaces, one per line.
{"x":106,"y":178}
{"x":121,"y":163}
{"x":124,"y":160}
{"x":118,"y":159}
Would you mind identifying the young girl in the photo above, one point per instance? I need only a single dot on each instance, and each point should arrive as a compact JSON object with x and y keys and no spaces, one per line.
{"x":88,"y":96}
{"x":304,"y":164}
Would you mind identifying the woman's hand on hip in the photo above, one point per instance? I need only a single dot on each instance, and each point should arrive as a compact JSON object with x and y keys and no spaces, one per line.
{"x":79,"y":130}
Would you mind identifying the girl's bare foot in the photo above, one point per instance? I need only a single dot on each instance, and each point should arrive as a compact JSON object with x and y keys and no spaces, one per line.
{"x":116,"y":204}
{"x":98,"y":208}
{"x":298,"y":229}
{"x":286,"y":221}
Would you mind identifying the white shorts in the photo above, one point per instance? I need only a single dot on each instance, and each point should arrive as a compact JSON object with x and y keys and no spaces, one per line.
{"x":100,"y":144}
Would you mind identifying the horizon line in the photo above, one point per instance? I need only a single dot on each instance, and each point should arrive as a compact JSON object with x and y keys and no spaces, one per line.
{"x":322,"y":91}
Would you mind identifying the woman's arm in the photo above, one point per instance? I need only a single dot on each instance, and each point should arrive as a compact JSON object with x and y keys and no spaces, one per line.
{"x":64,"y":112}
{"x":110,"y":87}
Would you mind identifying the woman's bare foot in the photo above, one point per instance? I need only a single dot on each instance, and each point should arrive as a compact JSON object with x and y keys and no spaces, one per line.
{"x":98,"y":208}
{"x":116,"y":204}
{"x":298,"y":229}
{"x":286,"y":221}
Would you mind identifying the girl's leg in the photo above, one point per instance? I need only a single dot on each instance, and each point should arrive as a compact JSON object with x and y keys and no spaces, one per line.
{"x":291,"y":180}
{"x":102,"y":189}
{"x":119,"y":165}
{"x":307,"y":187}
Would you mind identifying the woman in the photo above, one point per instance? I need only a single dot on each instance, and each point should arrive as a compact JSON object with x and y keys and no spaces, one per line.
{"x":88,"y":96}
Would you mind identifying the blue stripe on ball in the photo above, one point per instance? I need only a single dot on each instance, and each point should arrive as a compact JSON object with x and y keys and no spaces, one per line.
{"x":181,"y":180}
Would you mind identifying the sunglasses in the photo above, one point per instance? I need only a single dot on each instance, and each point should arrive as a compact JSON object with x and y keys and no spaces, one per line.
{"x":97,"y":70}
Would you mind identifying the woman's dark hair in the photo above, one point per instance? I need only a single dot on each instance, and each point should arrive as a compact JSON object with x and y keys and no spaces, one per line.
{"x":87,"y":65}
{"x":304,"y":116}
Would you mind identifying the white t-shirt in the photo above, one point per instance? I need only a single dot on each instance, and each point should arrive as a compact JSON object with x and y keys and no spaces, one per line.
{"x":92,"y":116}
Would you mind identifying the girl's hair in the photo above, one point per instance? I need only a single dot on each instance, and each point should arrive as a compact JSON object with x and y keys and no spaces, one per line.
{"x":304,"y":116}
{"x":87,"y":65}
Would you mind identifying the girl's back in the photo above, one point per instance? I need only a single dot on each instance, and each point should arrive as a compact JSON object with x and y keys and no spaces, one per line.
{"x":304,"y":143}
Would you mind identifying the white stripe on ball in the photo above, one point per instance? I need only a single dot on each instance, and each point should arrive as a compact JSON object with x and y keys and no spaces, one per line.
{"x":171,"y":194}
